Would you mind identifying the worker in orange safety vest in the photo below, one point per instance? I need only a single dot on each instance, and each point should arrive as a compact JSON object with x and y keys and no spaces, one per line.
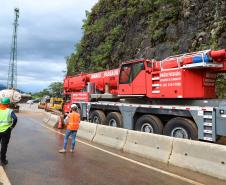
{"x":72,"y":124}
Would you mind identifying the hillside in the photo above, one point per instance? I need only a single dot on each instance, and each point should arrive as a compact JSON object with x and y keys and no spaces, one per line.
{"x":115,"y":31}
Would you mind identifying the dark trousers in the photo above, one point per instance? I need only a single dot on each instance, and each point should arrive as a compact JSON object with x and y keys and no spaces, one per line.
{"x":4,"y":138}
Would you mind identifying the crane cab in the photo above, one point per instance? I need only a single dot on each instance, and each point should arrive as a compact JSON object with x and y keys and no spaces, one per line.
{"x":133,"y":77}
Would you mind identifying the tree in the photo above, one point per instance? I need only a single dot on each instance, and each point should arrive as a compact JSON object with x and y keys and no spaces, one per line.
{"x":56,"y":89}
{"x":44,"y":92}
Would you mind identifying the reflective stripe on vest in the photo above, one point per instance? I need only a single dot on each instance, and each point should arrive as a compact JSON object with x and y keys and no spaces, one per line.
{"x":5,"y":119}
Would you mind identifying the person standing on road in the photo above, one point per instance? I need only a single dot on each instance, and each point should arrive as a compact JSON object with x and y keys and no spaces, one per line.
{"x":8,"y":121}
{"x":72,"y":124}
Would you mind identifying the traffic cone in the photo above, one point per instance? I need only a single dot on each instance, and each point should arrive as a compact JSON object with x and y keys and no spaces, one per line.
{"x":60,"y":124}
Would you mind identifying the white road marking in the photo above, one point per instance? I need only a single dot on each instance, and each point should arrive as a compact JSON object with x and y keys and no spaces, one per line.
{"x":133,"y":161}
{"x":3,"y":177}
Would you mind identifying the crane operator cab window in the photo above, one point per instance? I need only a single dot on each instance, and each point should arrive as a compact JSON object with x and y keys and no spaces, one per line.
{"x":125,"y":74}
{"x":129,"y":72}
{"x":137,"y":68}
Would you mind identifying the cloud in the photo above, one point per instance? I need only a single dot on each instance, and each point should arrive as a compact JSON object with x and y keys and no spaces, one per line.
{"x":35,"y":75}
{"x":48,"y":31}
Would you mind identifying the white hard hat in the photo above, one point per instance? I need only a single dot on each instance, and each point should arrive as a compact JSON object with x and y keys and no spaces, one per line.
{"x":74,"y":106}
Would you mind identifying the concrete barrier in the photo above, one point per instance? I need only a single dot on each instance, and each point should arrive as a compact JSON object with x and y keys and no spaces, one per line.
{"x":53,"y":121}
{"x":23,"y":106}
{"x":87,"y":130}
{"x":198,"y":156}
{"x":46,"y":117}
{"x":148,"y":145}
{"x":110,"y":136}
{"x":30,"y":107}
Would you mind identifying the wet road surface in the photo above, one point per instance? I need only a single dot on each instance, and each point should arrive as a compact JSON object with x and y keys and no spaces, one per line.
{"x":34,"y":159}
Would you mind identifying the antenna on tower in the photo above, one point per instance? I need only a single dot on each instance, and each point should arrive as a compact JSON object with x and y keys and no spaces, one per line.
{"x":12,"y":73}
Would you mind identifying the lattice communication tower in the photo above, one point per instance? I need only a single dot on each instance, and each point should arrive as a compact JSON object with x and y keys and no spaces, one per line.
{"x":12,"y":73}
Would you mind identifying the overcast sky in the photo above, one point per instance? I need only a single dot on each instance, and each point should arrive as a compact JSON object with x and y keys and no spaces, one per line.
{"x":48,"y":31}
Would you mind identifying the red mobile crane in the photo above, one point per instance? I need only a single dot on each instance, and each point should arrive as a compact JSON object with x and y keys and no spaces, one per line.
{"x":174,"y":96}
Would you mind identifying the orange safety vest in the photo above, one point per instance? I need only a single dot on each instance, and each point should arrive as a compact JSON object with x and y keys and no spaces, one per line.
{"x":73,"y":121}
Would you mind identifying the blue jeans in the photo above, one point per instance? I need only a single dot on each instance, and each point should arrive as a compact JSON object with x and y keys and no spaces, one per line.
{"x":73,"y":141}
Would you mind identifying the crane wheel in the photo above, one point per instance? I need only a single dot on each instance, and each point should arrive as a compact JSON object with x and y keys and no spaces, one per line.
{"x":150,"y":124}
{"x":98,"y":117}
{"x":181,"y":128}
{"x":114,"y":119}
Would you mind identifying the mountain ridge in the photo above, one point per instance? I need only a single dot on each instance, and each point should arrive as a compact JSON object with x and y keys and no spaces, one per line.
{"x":2,"y":86}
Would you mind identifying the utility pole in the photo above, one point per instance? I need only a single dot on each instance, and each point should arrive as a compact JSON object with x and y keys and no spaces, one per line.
{"x":12,"y":73}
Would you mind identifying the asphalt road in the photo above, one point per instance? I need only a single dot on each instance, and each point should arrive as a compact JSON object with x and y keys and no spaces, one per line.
{"x":34,"y":159}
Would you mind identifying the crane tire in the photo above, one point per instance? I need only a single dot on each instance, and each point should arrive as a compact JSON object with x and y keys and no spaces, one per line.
{"x":115,"y":119}
{"x":181,"y":128}
{"x":98,"y":117}
{"x":149,"y":123}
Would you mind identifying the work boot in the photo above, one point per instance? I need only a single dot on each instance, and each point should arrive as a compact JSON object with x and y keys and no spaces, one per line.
{"x":72,"y":150}
{"x":4,"y":162}
{"x":62,"y":151}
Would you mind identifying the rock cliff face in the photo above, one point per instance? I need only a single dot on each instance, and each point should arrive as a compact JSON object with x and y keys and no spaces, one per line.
{"x":120,"y":30}
{"x":200,"y":25}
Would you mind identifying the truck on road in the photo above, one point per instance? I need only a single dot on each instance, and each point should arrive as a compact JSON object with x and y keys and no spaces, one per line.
{"x":14,"y":96}
{"x":43,"y":102}
{"x":54,"y":104}
{"x":175,"y":96}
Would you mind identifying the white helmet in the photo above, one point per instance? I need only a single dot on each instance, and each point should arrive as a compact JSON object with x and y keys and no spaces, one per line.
{"x":74,"y":106}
